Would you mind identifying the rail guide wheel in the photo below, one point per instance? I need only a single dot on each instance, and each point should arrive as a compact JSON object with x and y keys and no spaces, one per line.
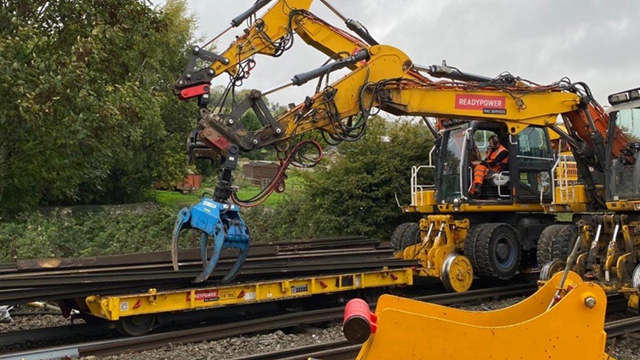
{"x":136,"y":325}
{"x":635,"y":278}
{"x":634,"y":299}
{"x":457,"y":273}
{"x":551,"y":268}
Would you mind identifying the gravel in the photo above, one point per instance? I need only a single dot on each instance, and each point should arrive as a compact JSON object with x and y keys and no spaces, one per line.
{"x":240,"y":346}
{"x":627,"y":349}
{"x":21,"y":323}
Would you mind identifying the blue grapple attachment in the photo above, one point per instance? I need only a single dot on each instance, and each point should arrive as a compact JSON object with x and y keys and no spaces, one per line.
{"x":220,"y":221}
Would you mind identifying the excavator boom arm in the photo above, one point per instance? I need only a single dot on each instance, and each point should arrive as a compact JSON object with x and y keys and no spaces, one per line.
{"x":271,"y":35}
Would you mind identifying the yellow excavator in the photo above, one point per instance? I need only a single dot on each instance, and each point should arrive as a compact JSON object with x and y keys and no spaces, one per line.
{"x":509,"y":221}
{"x":510,"y":226}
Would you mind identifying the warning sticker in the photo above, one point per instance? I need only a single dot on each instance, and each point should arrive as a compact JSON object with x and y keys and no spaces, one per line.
{"x":300,"y":289}
{"x":205,"y":295}
{"x":227,"y":295}
{"x":488,"y":104}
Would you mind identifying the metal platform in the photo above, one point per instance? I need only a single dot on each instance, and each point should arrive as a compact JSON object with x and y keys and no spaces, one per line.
{"x":152,"y":302}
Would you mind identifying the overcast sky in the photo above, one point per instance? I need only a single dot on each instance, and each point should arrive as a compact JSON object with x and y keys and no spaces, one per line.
{"x":597,"y":42}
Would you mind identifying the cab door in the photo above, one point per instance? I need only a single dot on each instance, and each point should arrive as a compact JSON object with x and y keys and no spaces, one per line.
{"x":534,"y":160}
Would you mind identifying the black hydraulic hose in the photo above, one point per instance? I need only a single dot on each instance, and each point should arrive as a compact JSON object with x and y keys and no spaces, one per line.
{"x":359,"y":29}
{"x":303,"y":78}
{"x":449,"y":72}
{"x":238,"y":20}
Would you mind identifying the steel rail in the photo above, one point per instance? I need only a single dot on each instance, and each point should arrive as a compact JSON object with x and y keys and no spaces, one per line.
{"x":375,"y":259}
{"x":335,"y":350}
{"x":622,"y":327}
{"x":275,"y":259}
{"x":51,"y":333}
{"x":256,"y":250}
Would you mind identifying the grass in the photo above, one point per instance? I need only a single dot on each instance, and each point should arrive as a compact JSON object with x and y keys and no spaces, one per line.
{"x":176,"y":199}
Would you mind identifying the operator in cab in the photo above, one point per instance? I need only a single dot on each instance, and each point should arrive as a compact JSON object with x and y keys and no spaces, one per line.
{"x":497,"y":161}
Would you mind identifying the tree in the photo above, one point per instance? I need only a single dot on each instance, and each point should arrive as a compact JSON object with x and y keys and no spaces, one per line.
{"x":355,"y":193}
{"x":87,"y":116}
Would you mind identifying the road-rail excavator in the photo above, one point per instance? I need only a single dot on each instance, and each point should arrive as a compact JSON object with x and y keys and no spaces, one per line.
{"x":462,"y":236}
{"x":510,"y":226}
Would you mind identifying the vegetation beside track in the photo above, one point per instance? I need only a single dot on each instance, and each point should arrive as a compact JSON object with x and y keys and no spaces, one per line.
{"x":352,"y":193}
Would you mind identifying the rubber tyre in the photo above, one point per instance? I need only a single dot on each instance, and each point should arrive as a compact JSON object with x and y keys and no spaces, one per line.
{"x":405,"y":235}
{"x":470,"y":242}
{"x":555,"y":242}
{"x":497,"y":251}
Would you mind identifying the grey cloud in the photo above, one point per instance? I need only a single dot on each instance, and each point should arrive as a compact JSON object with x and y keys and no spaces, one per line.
{"x":544,"y":40}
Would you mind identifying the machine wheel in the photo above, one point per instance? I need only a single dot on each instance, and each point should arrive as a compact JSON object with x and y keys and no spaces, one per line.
{"x":551,"y":268}
{"x":470,"y":242}
{"x":556,"y":241}
{"x":457,"y":273}
{"x":497,"y":251}
{"x":371,"y":295}
{"x":405,"y":235}
{"x":136,"y":325}
{"x":635,"y":279}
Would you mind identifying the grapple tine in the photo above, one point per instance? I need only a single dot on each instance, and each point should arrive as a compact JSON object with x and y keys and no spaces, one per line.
{"x":235,"y":270}
{"x":204,"y":240}
{"x":182,"y":222}
{"x":237,"y":237}
{"x":211,"y":264}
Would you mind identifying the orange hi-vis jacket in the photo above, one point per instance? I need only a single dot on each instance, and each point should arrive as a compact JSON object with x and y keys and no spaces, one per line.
{"x":492,"y":155}
{"x":491,"y":162}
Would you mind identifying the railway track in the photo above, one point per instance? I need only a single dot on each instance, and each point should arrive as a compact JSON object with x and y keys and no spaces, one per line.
{"x":622,"y":327}
{"x":51,"y":333}
{"x":215,"y":332}
{"x":336,"y":350}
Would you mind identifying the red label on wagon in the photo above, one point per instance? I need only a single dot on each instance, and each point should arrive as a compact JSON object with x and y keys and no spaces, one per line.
{"x":488,"y":104}
{"x":205,"y":295}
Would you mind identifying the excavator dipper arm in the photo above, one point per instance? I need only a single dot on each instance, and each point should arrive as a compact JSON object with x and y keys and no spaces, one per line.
{"x":271,"y":35}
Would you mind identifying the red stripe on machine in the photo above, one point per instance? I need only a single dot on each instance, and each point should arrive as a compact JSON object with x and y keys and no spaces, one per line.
{"x":480,"y":102}
{"x":205,"y":295}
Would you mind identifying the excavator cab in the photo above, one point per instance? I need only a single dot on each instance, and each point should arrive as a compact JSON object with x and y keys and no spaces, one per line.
{"x":530,"y":161}
{"x":625,"y":168}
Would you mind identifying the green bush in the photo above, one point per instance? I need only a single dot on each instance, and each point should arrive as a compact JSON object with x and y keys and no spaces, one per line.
{"x":355,"y":194}
{"x":87,"y":234}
